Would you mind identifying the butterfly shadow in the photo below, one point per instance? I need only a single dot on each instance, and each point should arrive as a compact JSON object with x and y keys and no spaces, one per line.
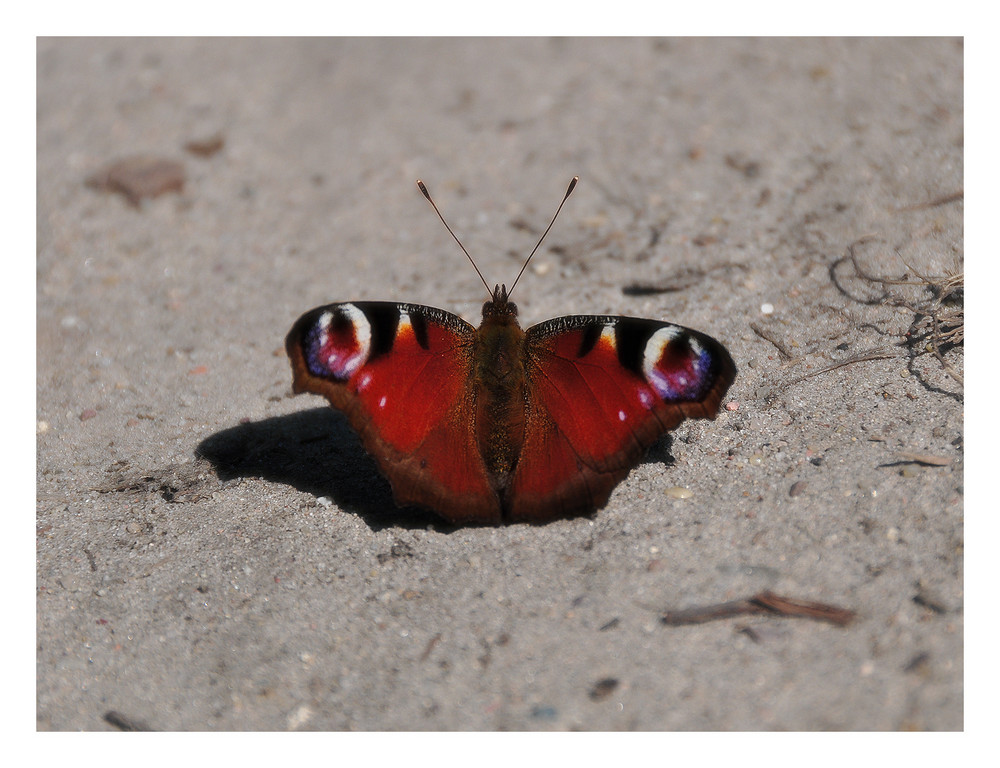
{"x":316,"y":452}
{"x":659,"y":452}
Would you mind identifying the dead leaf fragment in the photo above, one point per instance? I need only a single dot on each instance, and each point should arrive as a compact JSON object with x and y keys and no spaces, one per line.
{"x":926,"y":459}
{"x":206,"y":147}
{"x":139,"y":177}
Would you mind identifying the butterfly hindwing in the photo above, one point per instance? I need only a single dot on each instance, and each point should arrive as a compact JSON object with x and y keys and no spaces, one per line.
{"x":401,"y":373}
{"x":600,"y":391}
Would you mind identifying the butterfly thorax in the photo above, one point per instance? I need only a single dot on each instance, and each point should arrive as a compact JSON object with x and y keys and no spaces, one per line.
{"x":500,"y":385}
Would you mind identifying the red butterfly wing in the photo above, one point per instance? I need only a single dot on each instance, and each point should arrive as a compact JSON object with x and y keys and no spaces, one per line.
{"x":600,"y":391}
{"x":402,"y":374}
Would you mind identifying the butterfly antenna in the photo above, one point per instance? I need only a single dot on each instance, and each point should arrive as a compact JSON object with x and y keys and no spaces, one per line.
{"x":427,"y":194}
{"x":569,"y":191}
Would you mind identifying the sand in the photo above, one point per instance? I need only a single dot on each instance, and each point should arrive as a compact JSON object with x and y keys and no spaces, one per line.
{"x":215,"y":554}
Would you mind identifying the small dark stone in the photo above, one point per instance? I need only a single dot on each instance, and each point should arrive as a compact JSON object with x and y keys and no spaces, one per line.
{"x":543,"y":713}
{"x":603,"y":688}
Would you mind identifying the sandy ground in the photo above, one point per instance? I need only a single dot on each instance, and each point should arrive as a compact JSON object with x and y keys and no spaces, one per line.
{"x":213,"y":553}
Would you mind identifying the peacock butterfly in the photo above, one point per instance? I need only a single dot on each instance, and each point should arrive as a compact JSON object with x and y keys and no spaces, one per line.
{"x":497,"y":424}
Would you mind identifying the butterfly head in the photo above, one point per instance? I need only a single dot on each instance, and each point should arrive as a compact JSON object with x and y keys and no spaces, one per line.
{"x":499,"y":306}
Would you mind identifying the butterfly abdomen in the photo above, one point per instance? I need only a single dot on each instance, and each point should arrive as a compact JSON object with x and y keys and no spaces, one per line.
{"x":499,"y":387}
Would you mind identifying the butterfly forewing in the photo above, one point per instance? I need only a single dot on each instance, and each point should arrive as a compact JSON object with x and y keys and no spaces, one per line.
{"x":401,"y":373}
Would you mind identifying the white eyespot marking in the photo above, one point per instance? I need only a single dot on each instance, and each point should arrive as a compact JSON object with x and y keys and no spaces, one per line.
{"x":362,"y":328}
{"x":324,"y":324}
{"x":364,"y":381}
{"x":622,"y":416}
{"x":651,"y":357}
{"x":646,"y":399}
{"x":382,"y":401}
{"x":345,"y":361}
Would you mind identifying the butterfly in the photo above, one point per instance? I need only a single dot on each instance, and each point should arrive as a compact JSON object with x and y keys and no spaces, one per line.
{"x":497,"y":424}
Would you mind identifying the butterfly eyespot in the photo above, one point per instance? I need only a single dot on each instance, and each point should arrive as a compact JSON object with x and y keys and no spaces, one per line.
{"x":622,"y":416}
{"x":339,"y":342}
{"x":675,"y":364}
{"x":382,"y":401}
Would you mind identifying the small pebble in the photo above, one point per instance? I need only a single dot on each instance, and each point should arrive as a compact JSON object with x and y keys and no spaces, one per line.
{"x":299,"y":717}
{"x":87,"y":413}
{"x":767,"y":308}
{"x":70,"y":583}
{"x":798,"y":488}
{"x":678,"y":492}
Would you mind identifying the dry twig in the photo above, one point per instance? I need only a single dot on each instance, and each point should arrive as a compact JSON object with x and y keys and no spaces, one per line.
{"x":764,"y":602}
{"x":782,"y":349}
{"x":945,"y":312}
